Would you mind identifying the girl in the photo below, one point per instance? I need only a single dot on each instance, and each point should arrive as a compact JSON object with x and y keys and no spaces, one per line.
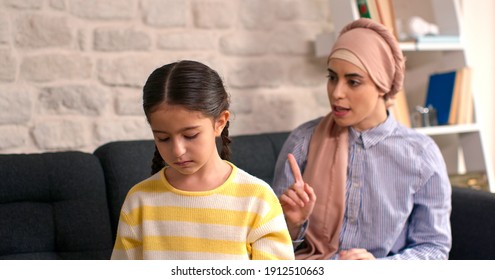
{"x":383,"y":189}
{"x":196,"y":205}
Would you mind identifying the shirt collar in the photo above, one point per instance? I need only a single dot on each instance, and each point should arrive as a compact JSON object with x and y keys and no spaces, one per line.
{"x":373,"y":136}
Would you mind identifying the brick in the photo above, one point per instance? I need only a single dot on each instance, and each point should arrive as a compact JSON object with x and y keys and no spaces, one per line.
{"x":58,"y":5}
{"x":15,"y":104}
{"x":12,"y":137}
{"x":105,"y":10}
{"x":309,"y":10}
{"x":308,"y":73}
{"x":59,"y":134}
{"x":187,"y":41}
{"x":24,"y":4}
{"x":214,"y":14}
{"x":73,"y":99}
{"x":4,"y":28}
{"x":129,"y":102}
{"x":117,"y":39}
{"x":264,"y":73}
{"x":50,"y":67}
{"x":241,"y":101}
{"x":41,"y":31}
{"x":244,"y":43}
{"x":8,"y":69}
{"x":164,"y":13}
{"x":128,"y":70}
{"x":292,"y":39}
{"x":122,"y":129}
{"x":257,"y":14}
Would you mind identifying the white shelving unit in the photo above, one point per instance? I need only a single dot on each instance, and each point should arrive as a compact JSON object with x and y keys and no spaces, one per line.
{"x":462,"y":146}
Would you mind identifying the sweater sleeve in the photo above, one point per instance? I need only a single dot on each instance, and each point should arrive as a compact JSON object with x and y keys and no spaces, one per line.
{"x":128,"y":245}
{"x":269,"y":237}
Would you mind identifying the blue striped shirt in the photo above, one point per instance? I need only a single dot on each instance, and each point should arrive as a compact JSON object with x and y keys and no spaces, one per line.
{"x":398,"y":194}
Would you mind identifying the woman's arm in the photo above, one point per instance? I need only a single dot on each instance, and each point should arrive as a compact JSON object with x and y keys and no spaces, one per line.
{"x":429,"y":232}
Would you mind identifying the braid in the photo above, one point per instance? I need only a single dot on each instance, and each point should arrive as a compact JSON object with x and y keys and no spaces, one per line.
{"x":157,"y":163}
{"x":225,"y":152}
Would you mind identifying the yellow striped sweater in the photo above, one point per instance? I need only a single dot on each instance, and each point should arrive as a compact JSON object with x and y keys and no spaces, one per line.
{"x":241,"y":219}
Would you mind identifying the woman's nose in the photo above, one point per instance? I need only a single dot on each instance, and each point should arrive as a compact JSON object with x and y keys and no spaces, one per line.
{"x":335,"y":91}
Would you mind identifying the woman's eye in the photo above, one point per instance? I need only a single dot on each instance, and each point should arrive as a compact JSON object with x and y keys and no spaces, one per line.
{"x":163,"y":139}
{"x":331,"y":77}
{"x":354,"y":83}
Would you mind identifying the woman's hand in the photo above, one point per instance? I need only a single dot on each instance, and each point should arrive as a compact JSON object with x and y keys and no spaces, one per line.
{"x":355,"y":254}
{"x":297,"y":201}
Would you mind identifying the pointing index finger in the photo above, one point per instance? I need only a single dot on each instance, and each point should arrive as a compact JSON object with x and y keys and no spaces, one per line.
{"x":295,"y":169}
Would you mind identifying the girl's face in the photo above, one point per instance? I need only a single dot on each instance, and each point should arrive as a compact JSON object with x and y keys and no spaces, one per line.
{"x":354,"y":97}
{"x":186,"y":139}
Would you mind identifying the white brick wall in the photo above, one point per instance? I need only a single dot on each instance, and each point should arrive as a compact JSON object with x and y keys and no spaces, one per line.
{"x":71,"y":71}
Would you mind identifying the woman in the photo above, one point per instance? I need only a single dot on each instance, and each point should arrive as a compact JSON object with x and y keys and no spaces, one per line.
{"x":370,"y":188}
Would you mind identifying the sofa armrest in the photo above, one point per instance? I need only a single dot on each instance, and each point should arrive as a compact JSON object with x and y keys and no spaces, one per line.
{"x":473,"y":225}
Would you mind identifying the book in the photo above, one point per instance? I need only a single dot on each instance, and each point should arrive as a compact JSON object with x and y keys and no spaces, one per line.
{"x":456,"y":98}
{"x":440,"y":94}
{"x":363,"y":9}
{"x":450,"y":94}
{"x":381,"y":11}
{"x":466,"y":106}
{"x":386,"y":15}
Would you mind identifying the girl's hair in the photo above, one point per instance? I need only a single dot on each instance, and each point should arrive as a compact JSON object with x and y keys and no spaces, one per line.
{"x":193,"y":85}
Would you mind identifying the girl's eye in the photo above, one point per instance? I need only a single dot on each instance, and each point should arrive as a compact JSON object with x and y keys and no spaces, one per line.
{"x":190,"y":137}
{"x":163,"y":139}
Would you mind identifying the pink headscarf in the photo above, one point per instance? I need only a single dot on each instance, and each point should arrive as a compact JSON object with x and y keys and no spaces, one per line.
{"x":377,"y":50}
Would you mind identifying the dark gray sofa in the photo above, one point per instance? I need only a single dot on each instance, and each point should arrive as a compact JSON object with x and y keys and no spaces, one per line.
{"x":65,"y":205}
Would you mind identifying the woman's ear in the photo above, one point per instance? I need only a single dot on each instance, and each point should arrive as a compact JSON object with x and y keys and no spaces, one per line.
{"x":221,"y":122}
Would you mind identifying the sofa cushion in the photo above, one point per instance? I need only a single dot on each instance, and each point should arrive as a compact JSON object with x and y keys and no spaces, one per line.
{"x":53,"y":206}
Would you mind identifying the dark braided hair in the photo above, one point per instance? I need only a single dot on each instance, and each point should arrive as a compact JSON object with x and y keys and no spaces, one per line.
{"x":193,"y":85}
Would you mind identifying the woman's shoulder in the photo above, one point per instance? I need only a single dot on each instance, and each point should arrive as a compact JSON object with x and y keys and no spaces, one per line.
{"x":419,"y":144}
{"x":413,"y":137}
{"x":306,"y":128}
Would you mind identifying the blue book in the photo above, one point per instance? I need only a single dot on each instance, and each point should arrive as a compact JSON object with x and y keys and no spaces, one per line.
{"x":440,"y":94}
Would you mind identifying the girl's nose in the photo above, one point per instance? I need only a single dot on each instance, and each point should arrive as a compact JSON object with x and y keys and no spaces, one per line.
{"x":178,"y":148}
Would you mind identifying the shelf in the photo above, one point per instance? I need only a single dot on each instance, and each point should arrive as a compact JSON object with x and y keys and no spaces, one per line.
{"x":324,"y":41}
{"x":448,"y":129}
{"x":413,"y":46}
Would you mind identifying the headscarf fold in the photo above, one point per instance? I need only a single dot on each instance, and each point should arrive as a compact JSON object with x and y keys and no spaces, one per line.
{"x":373,"y":47}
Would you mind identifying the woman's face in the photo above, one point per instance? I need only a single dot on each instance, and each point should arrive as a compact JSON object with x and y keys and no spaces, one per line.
{"x":185,"y":139}
{"x":354,"y":97}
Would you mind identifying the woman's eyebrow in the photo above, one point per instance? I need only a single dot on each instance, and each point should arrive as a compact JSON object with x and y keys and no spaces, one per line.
{"x":349,"y":75}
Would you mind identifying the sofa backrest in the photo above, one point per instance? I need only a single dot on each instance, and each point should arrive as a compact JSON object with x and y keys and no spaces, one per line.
{"x":125,"y":163}
{"x":53,"y":206}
